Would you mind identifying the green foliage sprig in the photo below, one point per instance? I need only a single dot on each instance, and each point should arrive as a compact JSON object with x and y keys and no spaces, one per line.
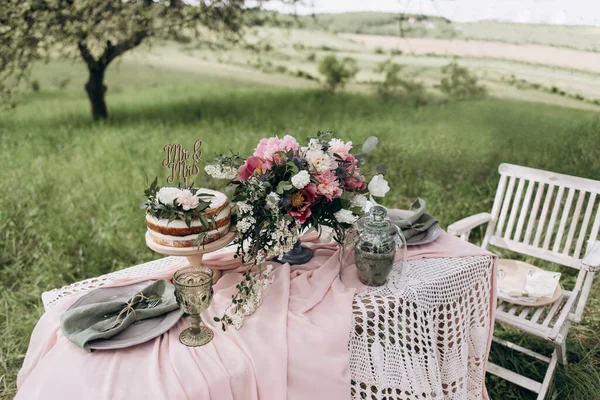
{"x":174,"y":211}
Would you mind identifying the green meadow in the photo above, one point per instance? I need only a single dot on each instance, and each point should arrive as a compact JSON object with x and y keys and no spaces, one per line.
{"x":71,"y":187}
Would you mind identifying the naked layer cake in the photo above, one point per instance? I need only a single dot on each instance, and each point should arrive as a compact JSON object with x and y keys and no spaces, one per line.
{"x":187,"y":217}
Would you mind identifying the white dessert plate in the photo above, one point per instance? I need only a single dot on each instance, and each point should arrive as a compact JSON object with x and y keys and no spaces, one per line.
{"x":428,"y":236}
{"x":137,"y":333}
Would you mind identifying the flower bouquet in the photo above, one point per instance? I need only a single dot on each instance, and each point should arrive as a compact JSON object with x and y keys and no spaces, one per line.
{"x":284,"y":188}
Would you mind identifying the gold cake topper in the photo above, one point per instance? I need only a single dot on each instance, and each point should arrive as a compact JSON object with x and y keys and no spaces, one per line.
{"x":177,"y":158}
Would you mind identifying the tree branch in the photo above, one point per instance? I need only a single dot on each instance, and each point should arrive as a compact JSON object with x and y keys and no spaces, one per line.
{"x":111,"y":52}
{"x":86,"y":55}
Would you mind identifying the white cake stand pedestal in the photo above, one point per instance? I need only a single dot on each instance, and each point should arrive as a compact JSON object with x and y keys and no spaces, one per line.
{"x":193,"y":254}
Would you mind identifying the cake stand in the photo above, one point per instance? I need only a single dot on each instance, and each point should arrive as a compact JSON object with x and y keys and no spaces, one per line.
{"x":194,"y":254}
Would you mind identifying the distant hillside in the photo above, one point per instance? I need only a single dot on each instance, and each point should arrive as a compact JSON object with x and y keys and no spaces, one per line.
{"x":585,"y":38}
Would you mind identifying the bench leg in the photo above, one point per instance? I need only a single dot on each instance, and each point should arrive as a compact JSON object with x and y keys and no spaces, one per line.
{"x":549,"y":375}
{"x":561,"y":352}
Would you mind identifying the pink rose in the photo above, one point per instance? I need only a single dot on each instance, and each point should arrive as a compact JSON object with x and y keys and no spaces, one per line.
{"x":337,"y":146}
{"x":354,"y":180}
{"x":252,"y":165}
{"x":267,"y":148}
{"x":328,"y":186}
{"x":301,"y":202}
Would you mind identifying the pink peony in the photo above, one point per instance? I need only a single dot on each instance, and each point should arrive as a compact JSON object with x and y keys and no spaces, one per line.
{"x":328,"y":186}
{"x":252,"y":165}
{"x":337,"y":146}
{"x":267,"y":148}
{"x":301,"y":202}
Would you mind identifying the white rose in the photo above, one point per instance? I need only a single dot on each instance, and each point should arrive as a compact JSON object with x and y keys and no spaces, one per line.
{"x":359,"y":201}
{"x":187,"y":200}
{"x":301,"y":179}
{"x":378,"y":186}
{"x":345,"y":216}
{"x":167,"y":195}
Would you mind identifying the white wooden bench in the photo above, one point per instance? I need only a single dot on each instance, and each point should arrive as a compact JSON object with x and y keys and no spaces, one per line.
{"x":555,"y":230}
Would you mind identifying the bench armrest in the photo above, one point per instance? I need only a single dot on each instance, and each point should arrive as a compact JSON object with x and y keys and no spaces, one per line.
{"x":591,"y":262}
{"x":466,"y":224}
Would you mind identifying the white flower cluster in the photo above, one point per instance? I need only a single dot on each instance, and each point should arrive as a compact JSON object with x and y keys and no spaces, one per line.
{"x":283,"y":237}
{"x":255,"y":190}
{"x":345,"y":216}
{"x":252,"y":301}
{"x":301,"y":179}
{"x":359,"y":201}
{"x":246,"y":223}
{"x":221,"y":171}
{"x":244,"y":207}
{"x":273,"y":202}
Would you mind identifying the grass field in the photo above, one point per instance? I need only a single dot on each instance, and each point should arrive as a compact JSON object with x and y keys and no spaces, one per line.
{"x":70,"y":187}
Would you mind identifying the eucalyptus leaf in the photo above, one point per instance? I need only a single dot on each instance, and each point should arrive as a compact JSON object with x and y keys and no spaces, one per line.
{"x":283,"y":186}
{"x":293,"y":166}
{"x":370,"y":144}
{"x":361,"y":159}
{"x":380,"y":169}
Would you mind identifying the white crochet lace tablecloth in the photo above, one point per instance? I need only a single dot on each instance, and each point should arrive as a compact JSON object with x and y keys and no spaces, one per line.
{"x":423,"y":335}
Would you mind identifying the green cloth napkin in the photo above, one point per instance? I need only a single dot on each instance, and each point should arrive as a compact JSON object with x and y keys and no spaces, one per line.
{"x":83,"y":324}
{"x":414,"y":220}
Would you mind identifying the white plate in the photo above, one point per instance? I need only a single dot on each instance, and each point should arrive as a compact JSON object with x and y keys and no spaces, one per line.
{"x":137,"y":333}
{"x":425,"y":237}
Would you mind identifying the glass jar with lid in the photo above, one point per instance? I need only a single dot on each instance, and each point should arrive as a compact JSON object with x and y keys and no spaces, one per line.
{"x":379,"y":241}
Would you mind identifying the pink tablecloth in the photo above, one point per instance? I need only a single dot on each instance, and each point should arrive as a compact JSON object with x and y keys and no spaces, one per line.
{"x":295,"y":346}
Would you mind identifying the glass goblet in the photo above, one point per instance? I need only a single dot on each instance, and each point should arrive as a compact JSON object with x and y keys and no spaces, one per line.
{"x":194,"y":292}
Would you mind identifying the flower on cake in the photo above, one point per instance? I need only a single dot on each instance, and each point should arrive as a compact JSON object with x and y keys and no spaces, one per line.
{"x":168,"y":195}
{"x":178,"y":203}
{"x":187,"y":200}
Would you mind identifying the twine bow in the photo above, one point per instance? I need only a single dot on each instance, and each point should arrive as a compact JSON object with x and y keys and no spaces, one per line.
{"x":129,"y":308}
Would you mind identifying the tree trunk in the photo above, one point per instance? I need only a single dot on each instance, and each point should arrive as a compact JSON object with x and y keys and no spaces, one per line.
{"x":96,"y":90}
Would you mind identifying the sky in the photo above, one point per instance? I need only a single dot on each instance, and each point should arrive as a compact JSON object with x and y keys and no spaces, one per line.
{"x":563,"y":12}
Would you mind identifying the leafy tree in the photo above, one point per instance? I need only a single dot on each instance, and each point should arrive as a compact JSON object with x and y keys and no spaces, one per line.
{"x":100,"y":31}
{"x":337,"y":72}
{"x":394,"y":84}
{"x":460,"y":83}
